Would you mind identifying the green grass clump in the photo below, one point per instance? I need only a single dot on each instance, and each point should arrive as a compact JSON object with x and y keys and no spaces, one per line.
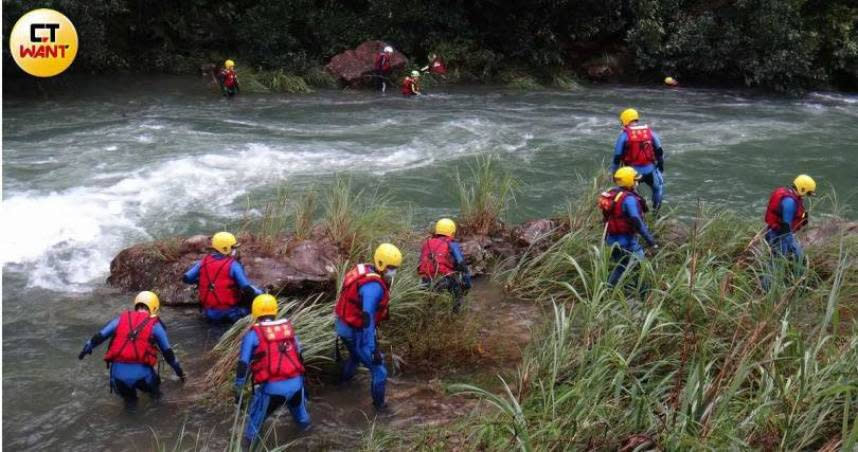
{"x":318,"y":77}
{"x":703,"y":359}
{"x":485,"y":194}
{"x":521,"y":82}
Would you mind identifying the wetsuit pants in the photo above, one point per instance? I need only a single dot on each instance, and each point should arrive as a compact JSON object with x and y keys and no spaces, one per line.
{"x":267,"y":398}
{"x":361,"y":346}
{"x":624,"y":249}
{"x":655,"y":180}
{"x":784,"y":247}
{"x":127,"y":379}
{"x":229,"y":315}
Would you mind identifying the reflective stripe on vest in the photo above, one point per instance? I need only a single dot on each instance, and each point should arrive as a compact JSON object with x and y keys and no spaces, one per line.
{"x":276,"y":356}
{"x":638,"y":149}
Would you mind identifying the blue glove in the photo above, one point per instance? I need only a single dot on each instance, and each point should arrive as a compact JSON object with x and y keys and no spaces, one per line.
{"x":87,"y":350}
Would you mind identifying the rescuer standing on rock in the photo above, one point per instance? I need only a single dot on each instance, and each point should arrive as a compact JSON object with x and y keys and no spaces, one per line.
{"x":442,"y":265}
{"x":623,"y":211}
{"x":786,"y":215}
{"x":383,"y":68}
{"x":638,"y":146}
{"x":272,"y":352}
{"x":221,"y":281}
{"x":131,"y":355}
{"x":361,"y":307}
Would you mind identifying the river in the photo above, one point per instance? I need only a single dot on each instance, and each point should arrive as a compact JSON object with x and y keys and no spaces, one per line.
{"x":126,"y":160}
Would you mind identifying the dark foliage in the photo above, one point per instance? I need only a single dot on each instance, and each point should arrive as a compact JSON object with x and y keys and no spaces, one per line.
{"x":783,"y":45}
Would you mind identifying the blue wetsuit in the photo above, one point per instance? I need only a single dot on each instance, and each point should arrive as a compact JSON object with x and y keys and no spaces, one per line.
{"x":236,"y":272}
{"x":651,"y":174}
{"x":126,"y":378}
{"x":269,"y":396}
{"x":361,"y":343}
{"x":627,"y":245}
{"x":783,"y":242}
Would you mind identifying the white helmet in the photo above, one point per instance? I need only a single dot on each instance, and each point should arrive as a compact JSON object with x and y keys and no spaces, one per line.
{"x":415,"y":73}
{"x":388,"y":49}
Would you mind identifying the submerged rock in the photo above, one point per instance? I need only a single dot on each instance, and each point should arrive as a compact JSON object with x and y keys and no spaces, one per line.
{"x":355,"y":67}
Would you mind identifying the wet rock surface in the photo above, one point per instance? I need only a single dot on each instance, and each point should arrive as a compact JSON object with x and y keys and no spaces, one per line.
{"x":355,"y":67}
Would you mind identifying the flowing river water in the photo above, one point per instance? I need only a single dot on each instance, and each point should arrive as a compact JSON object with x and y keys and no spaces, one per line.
{"x":118,"y":162}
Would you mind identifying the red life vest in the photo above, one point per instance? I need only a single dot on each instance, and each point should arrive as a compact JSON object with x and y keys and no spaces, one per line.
{"x":382,"y":63}
{"x":611,"y":204}
{"x":349,"y":306}
{"x":435,"y":257}
{"x":132,"y":341}
{"x":217,"y":289}
{"x":638,"y":150}
{"x":229,"y":78}
{"x":276,"y":357}
{"x":437,"y":66}
{"x":774,"y":214}
{"x":409,"y":87}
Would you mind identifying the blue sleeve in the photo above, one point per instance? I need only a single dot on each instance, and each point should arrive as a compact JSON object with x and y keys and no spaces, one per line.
{"x":370,"y":295}
{"x":236,"y":272}
{"x":456,"y":251}
{"x":110,"y":328}
{"x":192,"y":276}
{"x":630,"y":208}
{"x":788,"y":208}
{"x":618,"y":151}
{"x":161,"y":337}
{"x":656,"y":141}
{"x":248,"y":344}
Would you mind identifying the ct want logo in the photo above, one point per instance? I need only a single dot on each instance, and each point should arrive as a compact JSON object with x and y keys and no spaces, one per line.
{"x":43,"y":42}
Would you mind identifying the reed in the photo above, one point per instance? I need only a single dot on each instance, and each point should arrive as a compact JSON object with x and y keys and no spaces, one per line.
{"x":485,"y":194}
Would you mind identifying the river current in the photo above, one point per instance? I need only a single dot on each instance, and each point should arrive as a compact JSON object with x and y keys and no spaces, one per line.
{"x":115,"y":163}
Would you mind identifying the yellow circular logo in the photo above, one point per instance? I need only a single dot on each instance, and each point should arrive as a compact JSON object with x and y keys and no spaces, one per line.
{"x":43,"y":42}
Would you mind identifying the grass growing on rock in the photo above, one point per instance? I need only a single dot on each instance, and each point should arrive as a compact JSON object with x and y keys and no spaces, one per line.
{"x":485,"y":194}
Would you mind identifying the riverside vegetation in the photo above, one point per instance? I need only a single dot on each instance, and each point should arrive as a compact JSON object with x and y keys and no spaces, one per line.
{"x":783,"y":45}
{"x":703,"y":359}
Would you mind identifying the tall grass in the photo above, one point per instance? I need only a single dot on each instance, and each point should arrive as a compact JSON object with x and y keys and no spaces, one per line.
{"x":485,"y":194}
{"x":702,"y":360}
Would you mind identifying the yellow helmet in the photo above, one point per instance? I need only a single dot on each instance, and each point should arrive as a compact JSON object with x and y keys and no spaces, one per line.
{"x":804,"y":185}
{"x":628,"y":115}
{"x":150,"y":300}
{"x":229,"y":64}
{"x":264,"y":305}
{"x":223,"y":242}
{"x":670,"y":81}
{"x":445,"y":226}
{"x":387,"y":255}
{"x":626,"y":177}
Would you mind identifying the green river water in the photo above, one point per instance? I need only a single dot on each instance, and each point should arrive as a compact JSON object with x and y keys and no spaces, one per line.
{"x":118,"y":162}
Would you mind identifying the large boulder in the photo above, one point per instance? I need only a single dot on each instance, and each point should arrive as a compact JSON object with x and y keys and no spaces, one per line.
{"x":355,"y":67}
{"x":276,"y":264}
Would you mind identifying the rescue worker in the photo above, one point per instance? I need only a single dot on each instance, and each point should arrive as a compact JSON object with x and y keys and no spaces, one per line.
{"x":131,"y":355}
{"x":442,"y":265}
{"x":671,"y":82}
{"x":229,"y":79}
{"x":360,"y":309}
{"x":623,"y":211}
{"x":436,"y":65}
{"x":639,"y":146}
{"x":272,"y":352}
{"x":411,"y":85}
{"x":786,"y":215}
{"x":383,"y":68}
{"x":221,"y":281}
